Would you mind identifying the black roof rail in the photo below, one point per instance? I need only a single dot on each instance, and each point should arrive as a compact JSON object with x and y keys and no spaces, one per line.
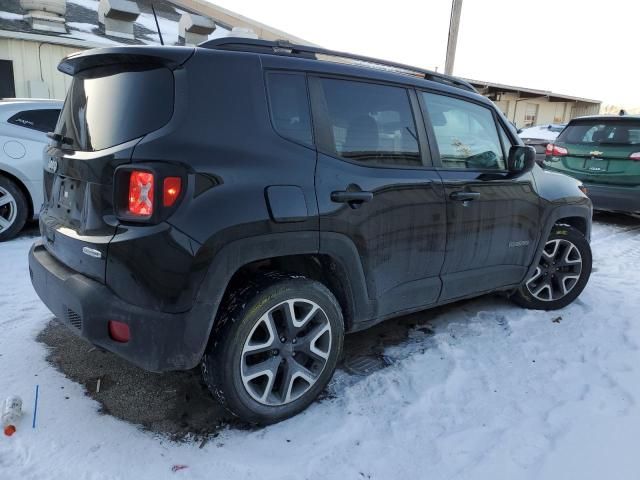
{"x":284,"y":47}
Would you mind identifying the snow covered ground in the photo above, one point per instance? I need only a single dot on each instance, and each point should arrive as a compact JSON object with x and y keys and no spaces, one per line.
{"x":495,"y":392}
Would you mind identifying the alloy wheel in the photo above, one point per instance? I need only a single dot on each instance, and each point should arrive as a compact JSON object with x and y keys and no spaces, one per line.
{"x":286,"y":352}
{"x":557,"y":272}
{"x":8,"y":209}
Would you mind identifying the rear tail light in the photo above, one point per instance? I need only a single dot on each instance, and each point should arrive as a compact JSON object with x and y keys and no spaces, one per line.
{"x":635,"y":156}
{"x":556,"y":151}
{"x":171,"y":190}
{"x":119,"y":331}
{"x":147,"y":193}
{"x":141,"y":193}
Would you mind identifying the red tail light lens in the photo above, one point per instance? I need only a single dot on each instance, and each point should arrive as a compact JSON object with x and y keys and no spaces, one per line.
{"x":171,"y":187}
{"x":635,"y":156}
{"x":556,"y":151}
{"x":119,"y":331}
{"x":141,"y":193}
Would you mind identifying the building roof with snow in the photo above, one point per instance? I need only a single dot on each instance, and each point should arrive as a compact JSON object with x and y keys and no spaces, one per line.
{"x":35,"y":35}
{"x":81,"y":23}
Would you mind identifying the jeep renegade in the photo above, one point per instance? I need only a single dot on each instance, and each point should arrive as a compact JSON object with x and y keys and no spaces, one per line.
{"x":243,"y":204}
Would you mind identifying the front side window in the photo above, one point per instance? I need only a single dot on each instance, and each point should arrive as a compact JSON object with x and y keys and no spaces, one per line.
{"x":42,"y":120}
{"x":465,"y":133}
{"x":290,"y":106}
{"x":370,"y":124}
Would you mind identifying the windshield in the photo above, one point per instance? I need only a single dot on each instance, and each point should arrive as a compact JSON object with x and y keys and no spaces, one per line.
{"x":607,"y":132}
{"x":107,"y":106}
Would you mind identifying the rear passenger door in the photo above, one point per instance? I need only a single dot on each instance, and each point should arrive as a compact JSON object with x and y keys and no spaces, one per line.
{"x":376,"y":191}
{"x":492,"y":216}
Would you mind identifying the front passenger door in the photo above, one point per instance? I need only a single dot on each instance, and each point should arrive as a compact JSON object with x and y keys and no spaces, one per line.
{"x":493,"y":216}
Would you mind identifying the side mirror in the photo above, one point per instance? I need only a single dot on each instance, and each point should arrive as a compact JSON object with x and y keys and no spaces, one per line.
{"x":521,"y":159}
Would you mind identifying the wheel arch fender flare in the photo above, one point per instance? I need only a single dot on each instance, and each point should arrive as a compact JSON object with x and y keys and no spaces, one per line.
{"x":553,"y":217}
{"x":239,"y":253}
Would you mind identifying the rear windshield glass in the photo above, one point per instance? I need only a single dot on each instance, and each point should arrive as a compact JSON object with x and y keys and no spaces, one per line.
{"x":610,"y":132}
{"x":107,"y":106}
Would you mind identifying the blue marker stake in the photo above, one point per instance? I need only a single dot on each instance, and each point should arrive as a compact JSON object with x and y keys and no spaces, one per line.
{"x":35,"y":407}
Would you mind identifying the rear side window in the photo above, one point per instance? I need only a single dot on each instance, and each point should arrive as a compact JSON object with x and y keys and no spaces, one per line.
{"x":371,"y":124}
{"x":42,"y":120}
{"x":465,"y":132}
{"x":611,"y":132}
{"x":107,"y":106}
{"x":289,"y":105}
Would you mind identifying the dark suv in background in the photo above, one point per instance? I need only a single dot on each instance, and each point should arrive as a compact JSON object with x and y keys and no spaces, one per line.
{"x":245,"y":203}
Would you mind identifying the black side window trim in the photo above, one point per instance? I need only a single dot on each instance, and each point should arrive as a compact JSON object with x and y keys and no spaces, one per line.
{"x":267,"y":72}
{"x":324,"y":139}
{"x":501,"y":135}
{"x":432,"y":135}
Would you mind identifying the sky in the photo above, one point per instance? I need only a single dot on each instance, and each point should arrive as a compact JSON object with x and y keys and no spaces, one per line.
{"x":577,"y":47}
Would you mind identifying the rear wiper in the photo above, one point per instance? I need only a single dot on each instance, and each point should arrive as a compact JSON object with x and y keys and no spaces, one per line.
{"x":61,"y":139}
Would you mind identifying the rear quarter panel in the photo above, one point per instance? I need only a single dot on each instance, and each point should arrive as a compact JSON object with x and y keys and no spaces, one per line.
{"x":221,"y":135}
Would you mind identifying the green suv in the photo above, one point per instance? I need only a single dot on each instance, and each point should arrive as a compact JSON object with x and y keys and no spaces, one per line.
{"x":604,"y":153}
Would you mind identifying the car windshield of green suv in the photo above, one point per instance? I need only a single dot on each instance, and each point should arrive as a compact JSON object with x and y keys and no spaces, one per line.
{"x":598,"y":150}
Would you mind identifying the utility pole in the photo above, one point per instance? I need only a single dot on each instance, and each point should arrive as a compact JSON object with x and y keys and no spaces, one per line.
{"x":454,"y":23}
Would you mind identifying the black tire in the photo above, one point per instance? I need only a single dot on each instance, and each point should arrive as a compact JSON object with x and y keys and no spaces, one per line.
{"x":224,"y":364}
{"x":563,"y":236}
{"x":16,"y":219}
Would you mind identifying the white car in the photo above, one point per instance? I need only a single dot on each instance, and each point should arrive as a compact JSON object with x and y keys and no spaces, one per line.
{"x":539,"y":136}
{"x":24,"y":124}
{"x":548,"y":131}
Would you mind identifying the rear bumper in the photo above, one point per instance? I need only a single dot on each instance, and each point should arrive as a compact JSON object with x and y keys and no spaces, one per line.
{"x":614,"y":198}
{"x":159,"y":341}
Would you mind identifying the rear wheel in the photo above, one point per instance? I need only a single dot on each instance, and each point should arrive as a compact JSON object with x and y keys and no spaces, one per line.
{"x":13,"y":209}
{"x":561,"y":274}
{"x":275,"y":348}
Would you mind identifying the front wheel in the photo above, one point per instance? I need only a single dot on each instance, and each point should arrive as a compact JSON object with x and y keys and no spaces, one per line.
{"x":275,"y":348}
{"x":561,"y":274}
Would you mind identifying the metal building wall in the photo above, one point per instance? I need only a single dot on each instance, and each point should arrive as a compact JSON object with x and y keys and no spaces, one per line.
{"x":35,"y":67}
{"x":581,"y":109}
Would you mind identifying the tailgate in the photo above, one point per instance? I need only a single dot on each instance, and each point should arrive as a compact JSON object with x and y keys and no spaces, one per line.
{"x":108,"y":109}
{"x":602,"y":164}
{"x":601,"y":150}
{"x":77,"y":220}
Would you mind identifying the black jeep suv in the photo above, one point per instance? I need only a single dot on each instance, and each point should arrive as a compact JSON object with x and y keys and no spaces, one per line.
{"x":243,"y":204}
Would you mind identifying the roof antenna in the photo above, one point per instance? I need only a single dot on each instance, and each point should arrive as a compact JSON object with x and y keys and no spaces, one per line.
{"x":157,"y":24}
